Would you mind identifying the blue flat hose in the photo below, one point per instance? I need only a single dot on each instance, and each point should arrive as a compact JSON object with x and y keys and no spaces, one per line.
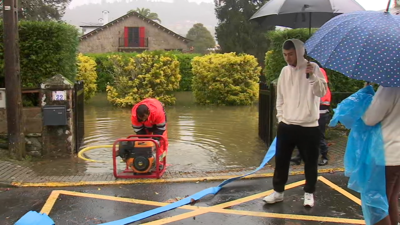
{"x":197,"y":196}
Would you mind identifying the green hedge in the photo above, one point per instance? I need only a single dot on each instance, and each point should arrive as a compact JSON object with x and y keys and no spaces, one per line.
{"x":185,"y":68}
{"x":105,"y":68}
{"x":274,"y":61}
{"x":148,"y":75}
{"x":46,"y":49}
{"x":225,"y":79}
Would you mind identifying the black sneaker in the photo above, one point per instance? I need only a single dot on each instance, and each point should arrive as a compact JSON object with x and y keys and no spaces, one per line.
{"x":323,"y":162}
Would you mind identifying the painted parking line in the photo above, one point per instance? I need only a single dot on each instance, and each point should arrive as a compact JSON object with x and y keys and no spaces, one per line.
{"x":257,"y":196}
{"x":340,"y":190}
{"x":222,"y":208}
{"x":56,"y":193}
{"x":51,"y":200}
{"x":151,"y":181}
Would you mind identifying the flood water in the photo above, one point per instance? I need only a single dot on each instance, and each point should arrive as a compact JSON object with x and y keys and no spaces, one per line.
{"x":200,"y":137}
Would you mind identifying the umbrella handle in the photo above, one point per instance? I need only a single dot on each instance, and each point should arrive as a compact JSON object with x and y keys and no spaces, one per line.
{"x":308,"y":74}
{"x":308,"y":61}
{"x":388,"y":5}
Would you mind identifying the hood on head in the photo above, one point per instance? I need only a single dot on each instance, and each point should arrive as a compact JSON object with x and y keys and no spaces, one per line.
{"x":300,"y":52}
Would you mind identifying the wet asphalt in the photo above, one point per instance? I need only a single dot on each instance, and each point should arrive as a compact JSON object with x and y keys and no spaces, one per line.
{"x":68,"y":210}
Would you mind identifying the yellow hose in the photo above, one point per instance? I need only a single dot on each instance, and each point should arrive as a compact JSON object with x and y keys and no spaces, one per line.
{"x":80,"y":154}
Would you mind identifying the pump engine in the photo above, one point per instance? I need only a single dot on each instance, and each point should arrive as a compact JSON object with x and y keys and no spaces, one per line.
{"x":139,"y":156}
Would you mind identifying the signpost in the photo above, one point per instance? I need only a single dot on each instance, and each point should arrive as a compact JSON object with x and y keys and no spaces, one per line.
{"x":16,"y":137}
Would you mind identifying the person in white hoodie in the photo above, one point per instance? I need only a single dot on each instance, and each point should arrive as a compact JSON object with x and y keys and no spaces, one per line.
{"x":385,"y":109}
{"x":300,"y":86}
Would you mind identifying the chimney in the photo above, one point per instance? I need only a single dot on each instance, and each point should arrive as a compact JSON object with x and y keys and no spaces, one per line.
{"x":105,"y":16}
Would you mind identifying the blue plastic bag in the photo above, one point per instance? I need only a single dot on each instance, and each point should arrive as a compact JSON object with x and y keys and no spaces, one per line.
{"x":364,"y":160}
{"x":35,"y":218}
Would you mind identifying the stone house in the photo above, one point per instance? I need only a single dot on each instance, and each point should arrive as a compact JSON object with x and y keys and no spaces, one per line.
{"x":131,"y":32}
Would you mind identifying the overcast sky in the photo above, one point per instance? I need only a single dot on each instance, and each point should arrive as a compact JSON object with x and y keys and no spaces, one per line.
{"x":367,"y":4}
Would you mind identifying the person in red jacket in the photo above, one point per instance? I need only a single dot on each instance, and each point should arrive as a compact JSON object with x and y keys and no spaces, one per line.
{"x":149,"y":117}
{"x":324,"y":118}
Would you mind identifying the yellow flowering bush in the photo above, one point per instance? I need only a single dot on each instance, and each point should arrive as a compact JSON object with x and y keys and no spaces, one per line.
{"x":147,"y":75}
{"x":225,"y":79}
{"x":87,"y":73}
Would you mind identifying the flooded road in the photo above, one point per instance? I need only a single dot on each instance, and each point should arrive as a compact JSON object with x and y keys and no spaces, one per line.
{"x":200,"y":137}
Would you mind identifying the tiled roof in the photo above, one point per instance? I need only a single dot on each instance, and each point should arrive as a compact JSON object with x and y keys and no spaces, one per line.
{"x":133,"y":13}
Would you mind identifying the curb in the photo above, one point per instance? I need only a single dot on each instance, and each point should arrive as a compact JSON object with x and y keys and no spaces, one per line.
{"x":157,"y":181}
{"x":5,"y":184}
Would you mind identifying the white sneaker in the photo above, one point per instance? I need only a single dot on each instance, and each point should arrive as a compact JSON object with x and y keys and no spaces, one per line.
{"x":309,"y":199}
{"x":274,"y":198}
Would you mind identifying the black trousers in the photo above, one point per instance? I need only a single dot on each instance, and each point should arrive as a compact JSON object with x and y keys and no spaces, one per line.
{"x":323,"y":121}
{"x":307,"y":140}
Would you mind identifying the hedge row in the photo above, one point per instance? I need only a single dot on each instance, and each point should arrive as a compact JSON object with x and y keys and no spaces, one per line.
{"x":105,"y":68}
{"x":46,"y":49}
{"x":218,"y":79}
{"x":147,"y":75}
{"x":226,"y":79}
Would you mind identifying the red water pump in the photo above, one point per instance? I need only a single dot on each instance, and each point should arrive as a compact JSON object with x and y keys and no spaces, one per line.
{"x":144,"y":157}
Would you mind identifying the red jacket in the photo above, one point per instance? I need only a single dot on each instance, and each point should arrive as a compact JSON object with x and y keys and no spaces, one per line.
{"x":326,"y":99}
{"x":157,"y":121}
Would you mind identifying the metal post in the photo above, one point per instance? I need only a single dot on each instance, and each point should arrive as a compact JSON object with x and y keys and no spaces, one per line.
{"x":16,"y":137}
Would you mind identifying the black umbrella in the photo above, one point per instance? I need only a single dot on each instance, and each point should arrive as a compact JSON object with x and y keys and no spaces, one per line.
{"x":303,"y":13}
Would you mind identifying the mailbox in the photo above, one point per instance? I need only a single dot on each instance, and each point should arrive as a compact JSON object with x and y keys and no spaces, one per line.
{"x":2,"y":98}
{"x":54,"y":115}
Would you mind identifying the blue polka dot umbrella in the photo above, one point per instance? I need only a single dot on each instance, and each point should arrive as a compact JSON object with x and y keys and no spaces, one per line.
{"x":363,"y":45}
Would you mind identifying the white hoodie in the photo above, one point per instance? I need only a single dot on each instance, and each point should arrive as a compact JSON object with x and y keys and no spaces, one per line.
{"x":298,"y":98}
{"x":385,"y":108}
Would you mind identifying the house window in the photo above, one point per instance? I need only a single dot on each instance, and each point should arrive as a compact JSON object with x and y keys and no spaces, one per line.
{"x":135,"y":37}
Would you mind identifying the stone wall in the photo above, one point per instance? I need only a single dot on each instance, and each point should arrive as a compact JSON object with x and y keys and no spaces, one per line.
{"x":107,"y":40}
{"x":32,"y":119}
{"x":33,"y":144}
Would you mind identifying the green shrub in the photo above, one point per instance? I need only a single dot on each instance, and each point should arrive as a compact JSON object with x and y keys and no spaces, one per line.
{"x":87,"y":74}
{"x":105,"y":68}
{"x":150,"y":74}
{"x":225,"y":79}
{"x":274,"y":61}
{"x":46,"y":49}
{"x":185,"y":68}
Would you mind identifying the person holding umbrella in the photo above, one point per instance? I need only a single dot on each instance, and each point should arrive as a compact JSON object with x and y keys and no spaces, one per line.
{"x":385,"y":109}
{"x":365,"y":46}
{"x":300,"y":87}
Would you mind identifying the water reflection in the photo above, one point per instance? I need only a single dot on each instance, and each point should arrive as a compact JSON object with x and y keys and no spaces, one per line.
{"x":200,"y":138}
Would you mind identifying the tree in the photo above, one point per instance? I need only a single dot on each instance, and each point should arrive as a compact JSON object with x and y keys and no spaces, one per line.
{"x":42,"y":10}
{"x":201,"y":38}
{"x":235,"y":33}
{"x":146,"y":13}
